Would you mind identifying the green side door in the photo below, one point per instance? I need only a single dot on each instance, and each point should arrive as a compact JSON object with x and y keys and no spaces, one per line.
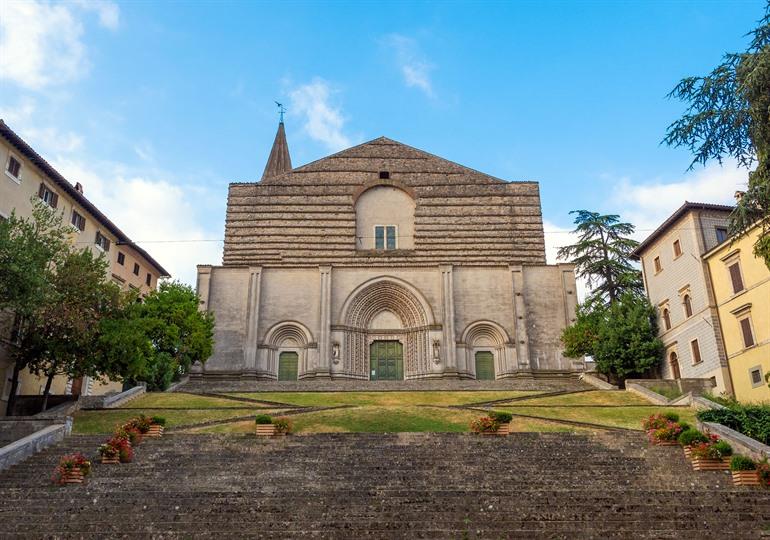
{"x":485,"y":366}
{"x":386,"y":361}
{"x":287,"y":366}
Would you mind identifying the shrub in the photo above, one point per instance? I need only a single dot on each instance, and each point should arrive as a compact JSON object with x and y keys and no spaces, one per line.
{"x":742,"y":463}
{"x":668,"y":415}
{"x":68,"y":463}
{"x":282,"y":425}
{"x":107,"y":450}
{"x":669,"y":432}
{"x":685,"y":426}
{"x":657,"y":421}
{"x":141,"y":423}
{"x":714,"y":449}
{"x":125,"y":452}
{"x":691,"y":436}
{"x":158,"y":420}
{"x":485,"y":424}
{"x":751,"y":420}
{"x":263,"y":419}
{"x":501,"y":417}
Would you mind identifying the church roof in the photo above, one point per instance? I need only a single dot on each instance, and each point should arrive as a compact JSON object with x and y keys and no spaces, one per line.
{"x":279,"y":161}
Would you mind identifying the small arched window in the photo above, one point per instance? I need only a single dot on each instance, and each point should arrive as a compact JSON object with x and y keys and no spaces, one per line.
{"x":674,"y":363}
{"x":687,"y":303}
{"x":666,"y":319}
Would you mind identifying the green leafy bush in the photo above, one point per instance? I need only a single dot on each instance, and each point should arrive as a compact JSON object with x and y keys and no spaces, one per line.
{"x":691,"y":436}
{"x":501,"y":417}
{"x":685,"y":426}
{"x":674,"y":417}
{"x":263,"y":419}
{"x":742,"y":463}
{"x":751,"y":420}
{"x":716,"y":449}
{"x":159,"y":420}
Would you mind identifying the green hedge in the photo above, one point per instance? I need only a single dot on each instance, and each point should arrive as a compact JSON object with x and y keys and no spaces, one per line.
{"x":751,"y":420}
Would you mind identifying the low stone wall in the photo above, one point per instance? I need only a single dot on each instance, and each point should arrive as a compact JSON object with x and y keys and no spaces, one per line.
{"x":741,"y":443}
{"x":108,"y":401}
{"x":44,"y":435}
{"x":696,"y":386}
{"x":646,"y":393}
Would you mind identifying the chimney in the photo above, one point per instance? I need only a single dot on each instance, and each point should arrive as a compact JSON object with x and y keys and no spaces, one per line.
{"x":79,"y":187}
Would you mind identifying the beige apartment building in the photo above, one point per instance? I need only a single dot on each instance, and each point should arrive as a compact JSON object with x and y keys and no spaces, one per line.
{"x":678,"y":284}
{"x":26,"y":175}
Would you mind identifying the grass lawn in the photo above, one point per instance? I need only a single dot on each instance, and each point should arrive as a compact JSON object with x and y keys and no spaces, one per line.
{"x":626,"y":417}
{"x":89,"y":422}
{"x":595,"y":397}
{"x":383,"y":399}
{"x":177,"y":400}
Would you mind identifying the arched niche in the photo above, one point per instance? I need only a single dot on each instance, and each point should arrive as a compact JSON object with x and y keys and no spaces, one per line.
{"x":384,"y":205}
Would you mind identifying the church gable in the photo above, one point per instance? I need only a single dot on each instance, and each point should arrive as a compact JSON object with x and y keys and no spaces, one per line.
{"x":308,"y":216}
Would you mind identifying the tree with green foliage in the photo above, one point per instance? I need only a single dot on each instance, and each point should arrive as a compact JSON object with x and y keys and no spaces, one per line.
{"x":180,"y":333}
{"x":729,"y":117}
{"x":30,"y":250}
{"x":64,"y":334}
{"x":602,"y":256}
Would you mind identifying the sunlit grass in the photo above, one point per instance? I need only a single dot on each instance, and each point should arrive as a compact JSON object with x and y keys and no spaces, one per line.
{"x":180,"y":400}
{"x":595,"y":397}
{"x":384,"y":399}
{"x":625,"y":417}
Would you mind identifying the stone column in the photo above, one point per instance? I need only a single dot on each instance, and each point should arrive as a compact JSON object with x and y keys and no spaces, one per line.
{"x":520,"y":318}
{"x":324,"y":335}
{"x":449,"y":352}
{"x":252,"y":321}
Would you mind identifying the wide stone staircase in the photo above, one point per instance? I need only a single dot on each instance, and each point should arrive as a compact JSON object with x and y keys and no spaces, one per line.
{"x":443,"y":486}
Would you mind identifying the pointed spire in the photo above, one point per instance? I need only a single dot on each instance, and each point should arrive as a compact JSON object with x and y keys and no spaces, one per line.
{"x":279,"y":160}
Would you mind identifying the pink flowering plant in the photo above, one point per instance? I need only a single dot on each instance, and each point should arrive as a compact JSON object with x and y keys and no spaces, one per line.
{"x":485,"y":424}
{"x":69,"y":463}
{"x":715,"y":448}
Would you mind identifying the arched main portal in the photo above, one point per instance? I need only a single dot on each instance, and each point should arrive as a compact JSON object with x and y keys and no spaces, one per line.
{"x":385,"y":310}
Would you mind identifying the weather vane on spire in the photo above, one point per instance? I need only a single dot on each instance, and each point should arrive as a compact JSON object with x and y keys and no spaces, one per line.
{"x":281,"y":110}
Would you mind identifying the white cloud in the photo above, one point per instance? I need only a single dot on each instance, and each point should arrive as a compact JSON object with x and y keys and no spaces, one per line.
{"x":324,"y":121}
{"x":41,"y":42}
{"x":47,"y":140}
{"x":556,"y":237}
{"x":648,"y":204}
{"x":414,"y":67}
{"x":151,"y":212}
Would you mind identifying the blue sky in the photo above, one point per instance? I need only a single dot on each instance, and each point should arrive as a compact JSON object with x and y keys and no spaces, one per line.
{"x":156,"y":107}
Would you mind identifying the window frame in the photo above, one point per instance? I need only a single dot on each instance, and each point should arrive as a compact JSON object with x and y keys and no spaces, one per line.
{"x":82,"y":219}
{"x":665,"y":314}
{"x":657,"y":265}
{"x":695,"y":351}
{"x":677,"y":248}
{"x":104,"y":239}
{"x":735,"y":263}
{"x":747,"y":318}
{"x":121,"y":258}
{"x":17,"y":178}
{"x":136,"y":269}
{"x":687,"y":305}
{"x":385,"y":237}
{"x":148,"y":281}
{"x":756,"y":369}
{"x":717,"y":231}
{"x":43,"y":191}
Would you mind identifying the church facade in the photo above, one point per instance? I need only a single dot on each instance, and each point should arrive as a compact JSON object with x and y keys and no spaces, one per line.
{"x":384,"y":262}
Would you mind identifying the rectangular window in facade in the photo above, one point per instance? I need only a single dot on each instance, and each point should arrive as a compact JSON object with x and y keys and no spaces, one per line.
{"x":677,"y":248}
{"x":696,"y":359}
{"x":121,"y":259}
{"x":148,"y":281}
{"x":102,"y":241}
{"x":721,"y":233}
{"x":14,"y":168}
{"x":658,"y":266}
{"x":78,"y":221}
{"x":48,"y":196}
{"x":755,"y":374}
{"x":136,"y":269}
{"x":748,"y":335}
{"x":385,"y":237}
{"x":735,"y":277}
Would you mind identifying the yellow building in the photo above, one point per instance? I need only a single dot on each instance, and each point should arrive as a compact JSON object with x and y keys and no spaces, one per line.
{"x":26,"y":175}
{"x":741,"y":284}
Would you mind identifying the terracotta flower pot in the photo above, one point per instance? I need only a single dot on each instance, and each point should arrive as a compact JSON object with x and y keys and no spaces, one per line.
{"x":665,"y":443}
{"x":73,"y":476}
{"x":687,"y":451}
{"x":705,"y":464}
{"x":746,"y":478}
{"x":114,"y":460}
{"x":156,"y":430}
{"x":265,"y":430}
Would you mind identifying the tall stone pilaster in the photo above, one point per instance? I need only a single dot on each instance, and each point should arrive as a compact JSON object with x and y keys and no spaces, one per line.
{"x":252,"y":321}
{"x":520,"y":317}
{"x":324,"y":335}
{"x":449,"y":352}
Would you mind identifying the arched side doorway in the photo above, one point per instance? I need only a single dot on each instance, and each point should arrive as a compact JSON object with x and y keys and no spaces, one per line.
{"x":673,"y":361}
{"x":488,"y":350}
{"x":382,"y":320}
{"x":287,"y":350}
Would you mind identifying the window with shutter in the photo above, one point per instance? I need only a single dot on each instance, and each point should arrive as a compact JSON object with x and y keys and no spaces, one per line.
{"x":14,"y":168}
{"x":136,"y":269}
{"x":78,"y":221}
{"x":721,"y":233}
{"x":735,"y":277}
{"x":748,"y":335}
{"x":667,"y":319}
{"x":677,"y":248}
{"x":687,"y":302}
{"x":658,"y":266}
{"x":695,"y":351}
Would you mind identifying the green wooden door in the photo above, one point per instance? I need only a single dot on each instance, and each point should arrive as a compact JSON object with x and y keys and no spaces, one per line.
{"x":386,"y":361}
{"x":485,"y":366}
{"x":287,"y":366}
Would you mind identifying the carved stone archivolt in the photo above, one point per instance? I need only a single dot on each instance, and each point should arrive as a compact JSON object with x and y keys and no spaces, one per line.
{"x":364,"y":304}
{"x":286,"y":336}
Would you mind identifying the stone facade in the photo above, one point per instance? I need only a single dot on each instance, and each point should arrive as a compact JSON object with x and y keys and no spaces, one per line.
{"x":675,"y":276}
{"x":384,"y":242}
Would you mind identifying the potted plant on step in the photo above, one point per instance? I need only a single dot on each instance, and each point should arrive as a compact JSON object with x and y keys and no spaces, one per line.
{"x":690,"y":437}
{"x":283,"y":426}
{"x":744,"y":471}
{"x":486,"y":425}
{"x":125,"y":450}
{"x":265,"y":427}
{"x":72,"y":469}
{"x":157,"y":424}
{"x":110,"y":454}
{"x":663,"y":429}
{"x":503,"y":419}
{"x":711,"y":455}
